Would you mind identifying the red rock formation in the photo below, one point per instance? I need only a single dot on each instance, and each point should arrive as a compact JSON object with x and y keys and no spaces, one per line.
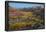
{"x":13,"y":12}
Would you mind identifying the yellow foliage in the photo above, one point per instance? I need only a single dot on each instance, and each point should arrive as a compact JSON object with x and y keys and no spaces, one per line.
{"x":18,"y":25}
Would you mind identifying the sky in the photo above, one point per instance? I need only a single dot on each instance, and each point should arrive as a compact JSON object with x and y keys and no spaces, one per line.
{"x":22,"y":5}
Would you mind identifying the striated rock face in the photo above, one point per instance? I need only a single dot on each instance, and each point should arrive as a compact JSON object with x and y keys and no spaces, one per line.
{"x":14,"y":12}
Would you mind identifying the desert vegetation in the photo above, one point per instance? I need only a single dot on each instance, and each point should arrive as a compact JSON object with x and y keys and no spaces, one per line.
{"x":26,"y":18}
